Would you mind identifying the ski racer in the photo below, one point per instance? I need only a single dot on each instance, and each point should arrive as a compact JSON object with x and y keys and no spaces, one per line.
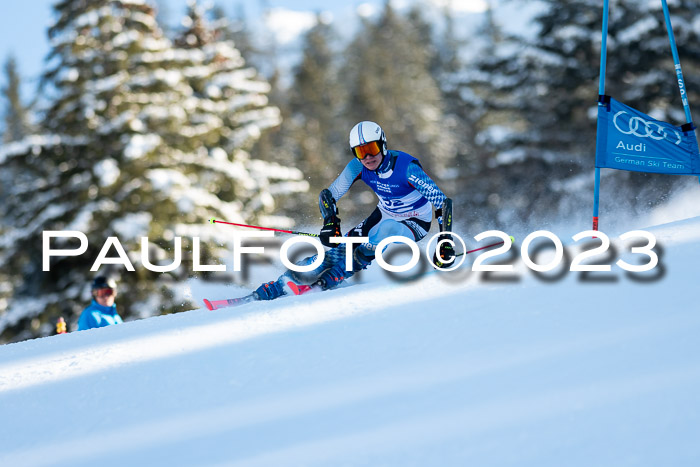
{"x":405,"y":194}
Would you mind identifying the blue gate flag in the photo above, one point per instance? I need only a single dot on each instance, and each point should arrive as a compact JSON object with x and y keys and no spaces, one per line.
{"x":627,"y":139}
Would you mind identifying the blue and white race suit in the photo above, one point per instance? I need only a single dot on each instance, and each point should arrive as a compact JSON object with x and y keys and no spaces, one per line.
{"x":406,"y":195}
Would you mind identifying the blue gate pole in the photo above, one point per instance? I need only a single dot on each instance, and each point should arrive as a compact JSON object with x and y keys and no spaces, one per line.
{"x":601,"y":92}
{"x":677,"y":64}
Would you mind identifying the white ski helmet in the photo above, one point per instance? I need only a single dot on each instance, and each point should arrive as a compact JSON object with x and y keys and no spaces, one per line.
{"x":364,"y":133}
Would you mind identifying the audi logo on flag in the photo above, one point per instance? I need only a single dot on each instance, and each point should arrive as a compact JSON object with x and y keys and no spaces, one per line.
{"x":644,"y":129}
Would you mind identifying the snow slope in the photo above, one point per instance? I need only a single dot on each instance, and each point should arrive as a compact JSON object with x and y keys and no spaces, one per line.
{"x":437,"y":372}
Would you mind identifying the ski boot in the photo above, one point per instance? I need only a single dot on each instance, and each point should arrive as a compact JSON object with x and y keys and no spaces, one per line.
{"x":285,"y":285}
{"x":333,"y":277}
{"x":270,"y":290}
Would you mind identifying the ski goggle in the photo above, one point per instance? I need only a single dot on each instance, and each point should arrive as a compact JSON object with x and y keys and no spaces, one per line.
{"x":105,"y":292}
{"x":369,"y":149}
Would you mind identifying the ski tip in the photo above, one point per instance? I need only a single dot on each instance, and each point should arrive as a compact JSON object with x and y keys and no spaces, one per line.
{"x":212,"y":221}
{"x":208,"y":305}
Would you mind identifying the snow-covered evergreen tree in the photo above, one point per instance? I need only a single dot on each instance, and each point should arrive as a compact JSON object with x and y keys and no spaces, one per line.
{"x":387,"y":75}
{"x":142,"y":139}
{"x":447,"y":68}
{"x":16,"y":113}
{"x":17,"y":126}
{"x":539,"y":96}
{"x":315,"y":133}
{"x":235,"y":30}
{"x":231,"y":110}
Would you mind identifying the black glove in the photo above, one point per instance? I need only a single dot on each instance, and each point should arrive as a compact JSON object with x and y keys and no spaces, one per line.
{"x":445,"y":253}
{"x":331,"y":228}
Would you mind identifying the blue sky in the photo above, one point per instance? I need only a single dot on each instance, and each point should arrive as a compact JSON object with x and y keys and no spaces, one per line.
{"x":23,"y":33}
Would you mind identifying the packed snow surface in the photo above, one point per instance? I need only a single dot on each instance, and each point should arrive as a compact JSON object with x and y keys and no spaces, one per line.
{"x":460,"y":369}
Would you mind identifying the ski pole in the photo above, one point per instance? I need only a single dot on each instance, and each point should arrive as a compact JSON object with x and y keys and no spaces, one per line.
{"x":293,"y":232}
{"x":512,"y":240}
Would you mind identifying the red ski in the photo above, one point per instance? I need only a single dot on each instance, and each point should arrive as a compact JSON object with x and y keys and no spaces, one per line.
{"x":296,"y":289}
{"x":216,"y":304}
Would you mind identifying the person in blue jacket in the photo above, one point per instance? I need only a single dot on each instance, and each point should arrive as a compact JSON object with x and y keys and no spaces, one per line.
{"x":102,"y":311}
{"x":406,"y":195}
